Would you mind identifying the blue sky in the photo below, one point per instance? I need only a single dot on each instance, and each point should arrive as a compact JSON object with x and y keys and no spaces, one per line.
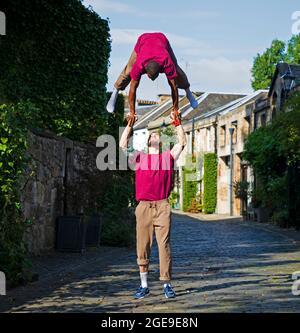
{"x":214,"y":41}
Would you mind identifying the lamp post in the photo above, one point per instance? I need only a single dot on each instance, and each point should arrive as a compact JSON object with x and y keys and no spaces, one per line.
{"x":193,"y":135}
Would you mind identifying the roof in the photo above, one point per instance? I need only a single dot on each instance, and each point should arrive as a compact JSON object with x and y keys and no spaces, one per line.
{"x":281,"y":69}
{"x":209,"y":102}
{"x":164,"y":117}
{"x":143,"y":121}
{"x":141,"y":111}
{"x":226,"y":108}
{"x":244,"y":101}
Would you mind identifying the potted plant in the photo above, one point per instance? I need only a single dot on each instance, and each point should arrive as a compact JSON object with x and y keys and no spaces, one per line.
{"x":174,"y":199}
{"x":260,"y":204}
{"x":242,"y":192}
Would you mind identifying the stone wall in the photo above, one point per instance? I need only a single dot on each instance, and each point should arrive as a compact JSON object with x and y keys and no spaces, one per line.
{"x":61,"y":179}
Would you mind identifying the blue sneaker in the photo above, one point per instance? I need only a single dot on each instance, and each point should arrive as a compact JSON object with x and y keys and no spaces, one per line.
{"x":169,"y":292}
{"x":141,"y":292}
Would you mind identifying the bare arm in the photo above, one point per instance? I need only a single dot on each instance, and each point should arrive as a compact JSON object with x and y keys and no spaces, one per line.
{"x":125,"y":137}
{"x":174,"y":92}
{"x":178,"y":148}
{"x":132,"y":95}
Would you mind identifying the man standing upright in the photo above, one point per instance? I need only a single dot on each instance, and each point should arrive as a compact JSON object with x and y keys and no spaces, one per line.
{"x":153,"y":183}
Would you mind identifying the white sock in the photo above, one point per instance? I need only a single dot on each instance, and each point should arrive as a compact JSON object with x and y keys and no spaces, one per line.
{"x":144,"y":277}
{"x":168,"y":283}
{"x":192,"y":99}
{"x":110,"y":107}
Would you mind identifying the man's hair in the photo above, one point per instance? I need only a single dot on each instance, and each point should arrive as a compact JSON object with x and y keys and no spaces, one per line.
{"x":153,"y":68}
{"x":148,"y":141}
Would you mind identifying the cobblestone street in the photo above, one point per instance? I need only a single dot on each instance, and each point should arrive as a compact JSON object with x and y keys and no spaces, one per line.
{"x":219,"y":265}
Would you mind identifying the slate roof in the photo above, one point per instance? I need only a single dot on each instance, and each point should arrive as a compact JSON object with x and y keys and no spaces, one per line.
{"x":210,"y":102}
{"x":283,"y":68}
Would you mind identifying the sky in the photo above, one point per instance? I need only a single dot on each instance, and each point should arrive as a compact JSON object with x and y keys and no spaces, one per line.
{"x":214,"y":41}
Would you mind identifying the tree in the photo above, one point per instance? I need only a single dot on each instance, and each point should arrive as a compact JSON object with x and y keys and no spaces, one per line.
{"x":294,"y":50}
{"x":264,"y":64}
{"x":274,"y":154}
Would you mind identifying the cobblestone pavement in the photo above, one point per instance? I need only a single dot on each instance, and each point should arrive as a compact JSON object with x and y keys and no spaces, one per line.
{"x":219,"y":265}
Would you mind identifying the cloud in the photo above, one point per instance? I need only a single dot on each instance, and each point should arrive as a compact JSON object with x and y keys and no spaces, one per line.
{"x":183,"y":46}
{"x":114,"y":6}
{"x":220,"y":74}
{"x":130,"y":36}
{"x":120,"y":7}
{"x":208,"y":68}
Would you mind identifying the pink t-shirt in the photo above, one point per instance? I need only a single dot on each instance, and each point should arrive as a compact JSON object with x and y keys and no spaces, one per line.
{"x":153,"y":175}
{"x":153,"y":46}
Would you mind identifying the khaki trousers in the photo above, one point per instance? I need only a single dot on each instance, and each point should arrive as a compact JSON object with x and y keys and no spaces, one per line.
{"x":154,"y":217}
{"x":124,"y":78}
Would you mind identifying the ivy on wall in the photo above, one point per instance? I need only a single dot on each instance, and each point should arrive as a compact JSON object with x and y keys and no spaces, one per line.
{"x":210,"y":183}
{"x":54,"y":60}
{"x":190,"y":183}
{"x":13,"y":161}
{"x":56,"y":54}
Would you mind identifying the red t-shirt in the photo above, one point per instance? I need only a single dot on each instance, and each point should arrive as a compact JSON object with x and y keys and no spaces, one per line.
{"x":153,"y":175}
{"x":153,"y":46}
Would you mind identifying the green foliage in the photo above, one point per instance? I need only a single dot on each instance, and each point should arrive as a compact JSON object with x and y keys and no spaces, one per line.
{"x":173,"y":198}
{"x":294,"y":49}
{"x":274,"y":154}
{"x":13,"y":161}
{"x":196,"y":204}
{"x":264,"y":64}
{"x":190,"y":185}
{"x":241,"y":189}
{"x":56,"y":54}
{"x":118,"y":228}
{"x":210,"y":183}
{"x":168,"y":137}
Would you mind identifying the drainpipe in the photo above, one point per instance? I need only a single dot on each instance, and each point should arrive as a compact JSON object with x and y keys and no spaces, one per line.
{"x":193,"y":134}
{"x":231,"y":130}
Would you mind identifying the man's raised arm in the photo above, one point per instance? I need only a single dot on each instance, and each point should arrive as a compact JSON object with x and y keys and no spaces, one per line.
{"x":178,"y":148}
{"x":125,"y":137}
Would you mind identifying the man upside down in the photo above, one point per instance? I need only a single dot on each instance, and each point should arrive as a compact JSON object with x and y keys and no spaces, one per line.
{"x":152,"y":55}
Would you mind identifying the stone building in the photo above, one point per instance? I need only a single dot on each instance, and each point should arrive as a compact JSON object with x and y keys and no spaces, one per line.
{"x":234,"y":124}
{"x":286,"y":78}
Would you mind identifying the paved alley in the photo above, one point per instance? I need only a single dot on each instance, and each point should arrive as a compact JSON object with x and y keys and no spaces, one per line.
{"x":219,"y":265}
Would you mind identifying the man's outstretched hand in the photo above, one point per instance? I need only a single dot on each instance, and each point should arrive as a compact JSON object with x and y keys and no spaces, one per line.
{"x":176,"y":117}
{"x":131,"y":118}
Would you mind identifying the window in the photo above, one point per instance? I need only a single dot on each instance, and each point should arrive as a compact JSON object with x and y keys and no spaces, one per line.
{"x":208,"y":138}
{"x":222,"y":136}
{"x":248,"y":124}
{"x":263,"y":119}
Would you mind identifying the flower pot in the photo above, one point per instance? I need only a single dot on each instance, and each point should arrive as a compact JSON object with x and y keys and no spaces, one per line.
{"x":262,"y":214}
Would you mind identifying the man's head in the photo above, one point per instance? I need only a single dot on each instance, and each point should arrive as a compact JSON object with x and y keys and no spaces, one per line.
{"x":152,"y":69}
{"x":154,"y":140}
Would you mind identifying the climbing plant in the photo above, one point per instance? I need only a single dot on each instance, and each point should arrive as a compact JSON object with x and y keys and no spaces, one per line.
{"x":54,"y":61}
{"x":190,"y":183}
{"x":55,"y":53}
{"x":13,"y":161}
{"x":210,"y":183}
